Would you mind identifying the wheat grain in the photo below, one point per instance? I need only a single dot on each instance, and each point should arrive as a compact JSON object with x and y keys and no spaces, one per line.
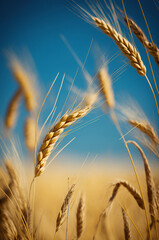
{"x":106,"y":87}
{"x":62,"y":214}
{"x":125,"y":46}
{"x":127,"y":232}
{"x":152,"y":199}
{"x":12,"y":111}
{"x":80,"y":216}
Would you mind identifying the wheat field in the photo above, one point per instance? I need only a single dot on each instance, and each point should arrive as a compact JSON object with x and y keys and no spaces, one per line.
{"x":47,"y":190}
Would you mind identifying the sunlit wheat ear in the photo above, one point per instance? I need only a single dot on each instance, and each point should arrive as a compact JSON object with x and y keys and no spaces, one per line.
{"x":127,"y":232}
{"x":151,"y":47}
{"x":12,"y":111}
{"x":29,"y":132}
{"x":106,"y":87}
{"x":62,"y":214}
{"x":53,"y":135}
{"x":25,"y":81}
{"x":80,"y":216}
{"x":7,"y":227}
{"x":145,"y":128}
{"x":152,"y":199}
{"x":125,"y":46}
{"x":135,"y":194}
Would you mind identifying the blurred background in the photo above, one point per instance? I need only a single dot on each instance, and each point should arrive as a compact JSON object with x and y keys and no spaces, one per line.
{"x":34,"y":31}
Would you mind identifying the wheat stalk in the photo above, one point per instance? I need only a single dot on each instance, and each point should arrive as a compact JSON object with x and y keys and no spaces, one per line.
{"x":125,"y":46}
{"x":127,"y":232}
{"x":80,"y":216}
{"x":53,"y":135}
{"x":146,"y":128}
{"x":151,"y":47}
{"x":152,"y":199}
{"x":62,"y":214}
{"x":12,"y":111}
{"x":106,"y":87}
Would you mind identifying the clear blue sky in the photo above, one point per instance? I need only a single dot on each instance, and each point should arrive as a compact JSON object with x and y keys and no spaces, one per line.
{"x":36,"y":26}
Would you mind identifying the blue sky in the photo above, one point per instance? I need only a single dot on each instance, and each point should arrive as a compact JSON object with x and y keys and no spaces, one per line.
{"x":35,"y":27}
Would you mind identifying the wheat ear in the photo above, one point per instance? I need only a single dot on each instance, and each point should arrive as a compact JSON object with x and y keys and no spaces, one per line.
{"x":151,"y":47}
{"x":127,"y":232}
{"x":7,"y":227}
{"x":146,"y":128}
{"x":24,"y":80}
{"x":80,"y":216}
{"x":108,"y":207}
{"x":12,"y":111}
{"x":131,"y":190}
{"x":53,"y":135}
{"x":20,"y":200}
{"x":106,"y":87}
{"x":136,"y":30}
{"x":125,"y":46}
{"x":29,"y":133}
{"x":153,"y":50}
{"x":152,"y":199}
{"x":62,"y":214}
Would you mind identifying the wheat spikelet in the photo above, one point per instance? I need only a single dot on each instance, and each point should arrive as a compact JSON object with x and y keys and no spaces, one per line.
{"x":146,"y":128}
{"x":106,"y":87}
{"x":152,"y":48}
{"x":131,"y":189}
{"x":80,"y":215}
{"x":62,"y":214}
{"x":29,"y":132}
{"x":24,"y":80}
{"x":7,"y":228}
{"x":12,"y":111}
{"x":127,"y":232}
{"x":152,"y":199}
{"x":125,"y":46}
{"x":53,"y":135}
